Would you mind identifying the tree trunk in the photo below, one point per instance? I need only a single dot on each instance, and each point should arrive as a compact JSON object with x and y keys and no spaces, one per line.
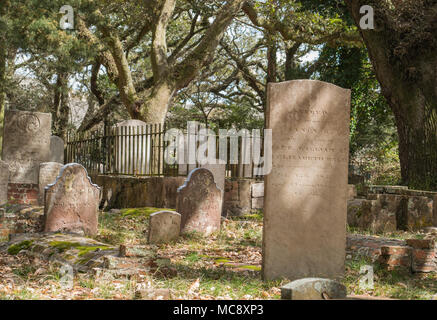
{"x":154,"y":107}
{"x":61,"y":108}
{"x":402,"y":49}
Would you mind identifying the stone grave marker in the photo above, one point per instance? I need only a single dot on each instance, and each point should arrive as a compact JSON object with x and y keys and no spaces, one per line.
{"x":199,"y":201}
{"x":305,"y":204}
{"x":164,"y":227}
{"x":219,"y":173}
{"x":4,"y":179}
{"x":48,"y":172}
{"x":72,"y":202}
{"x":56,"y":149}
{"x":26,"y":143}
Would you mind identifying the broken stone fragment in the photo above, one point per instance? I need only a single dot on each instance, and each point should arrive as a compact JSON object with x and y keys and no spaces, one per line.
{"x":313,"y":289}
{"x":421,"y":243}
{"x":152,"y":294}
{"x":137,"y":251}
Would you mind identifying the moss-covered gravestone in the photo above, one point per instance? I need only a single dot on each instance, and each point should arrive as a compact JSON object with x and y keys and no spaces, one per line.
{"x":199,"y":201}
{"x":72,"y":202}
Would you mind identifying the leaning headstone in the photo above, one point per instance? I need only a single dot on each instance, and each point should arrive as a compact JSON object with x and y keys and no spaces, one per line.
{"x":48,"y":172}
{"x":26,"y":143}
{"x":72,"y":202}
{"x":164,"y":227}
{"x":199,"y":201}
{"x":313,"y":289}
{"x":56,"y":149}
{"x":4,"y":179}
{"x":306,"y":192}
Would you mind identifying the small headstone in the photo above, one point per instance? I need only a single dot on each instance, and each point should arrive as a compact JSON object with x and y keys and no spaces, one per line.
{"x":48,"y":172}
{"x":72,"y":202}
{"x":199,"y":201}
{"x":4,"y":179}
{"x":26,"y":143}
{"x":313,"y":289}
{"x":56,"y":149}
{"x":164,"y":227}
{"x":258,"y":190}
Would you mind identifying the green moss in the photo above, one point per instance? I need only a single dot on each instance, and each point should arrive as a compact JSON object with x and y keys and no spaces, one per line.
{"x":247,"y":267}
{"x":16,"y":248}
{"x":256,"y":215}
{"x":85,"y":250}
{"x":65,"y":245}
{"x":136,"y":212}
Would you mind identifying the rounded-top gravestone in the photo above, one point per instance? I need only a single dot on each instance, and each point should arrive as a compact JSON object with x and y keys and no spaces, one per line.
{"x":199,"y":201}
{"x":72,"y":202}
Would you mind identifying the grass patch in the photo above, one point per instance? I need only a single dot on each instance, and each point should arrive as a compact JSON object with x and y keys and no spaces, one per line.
{"x":16,"y":248}
{"x":128,"y":226}
{"x":141,"y":212}
{"x":396,"y":284}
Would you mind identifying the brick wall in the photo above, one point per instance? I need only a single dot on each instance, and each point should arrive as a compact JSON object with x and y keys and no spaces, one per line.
{"x":22,"y":193}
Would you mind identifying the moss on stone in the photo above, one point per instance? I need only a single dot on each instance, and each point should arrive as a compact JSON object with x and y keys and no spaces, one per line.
{"x":249,"y":267}
{"x":84,"y":250}
{"x":246,"y":267}
{"x":256,"y":215}
{"x":136,"y":212}
{"x":65,"y":245}
{"x":16,"y":248}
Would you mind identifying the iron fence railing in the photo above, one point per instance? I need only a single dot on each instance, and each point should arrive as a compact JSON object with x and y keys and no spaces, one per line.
{"x":140,"y":151}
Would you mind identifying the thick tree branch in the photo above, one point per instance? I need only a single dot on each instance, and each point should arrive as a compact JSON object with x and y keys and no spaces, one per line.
{"x":186,"y":71}
{"x":159,"y":42}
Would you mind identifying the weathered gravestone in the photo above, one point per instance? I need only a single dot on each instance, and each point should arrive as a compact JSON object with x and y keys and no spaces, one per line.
{"x":164,"y":227}
{"x":56,"y":149}
{"x":199,"y":201}
{"x":72,"y":202}
{"x":4,"y":178}
{"x":305,"y":200}
{"x":219,"y":173}
{"x":26,"y":143}
{"x":48,"y":172}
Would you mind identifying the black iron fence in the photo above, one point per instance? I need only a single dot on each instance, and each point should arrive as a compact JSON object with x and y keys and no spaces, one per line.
{"x":140,"y":151}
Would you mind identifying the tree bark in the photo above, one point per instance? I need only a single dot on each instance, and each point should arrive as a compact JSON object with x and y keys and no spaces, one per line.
{"x":61,"y":108}
{"x":402,"y":49}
